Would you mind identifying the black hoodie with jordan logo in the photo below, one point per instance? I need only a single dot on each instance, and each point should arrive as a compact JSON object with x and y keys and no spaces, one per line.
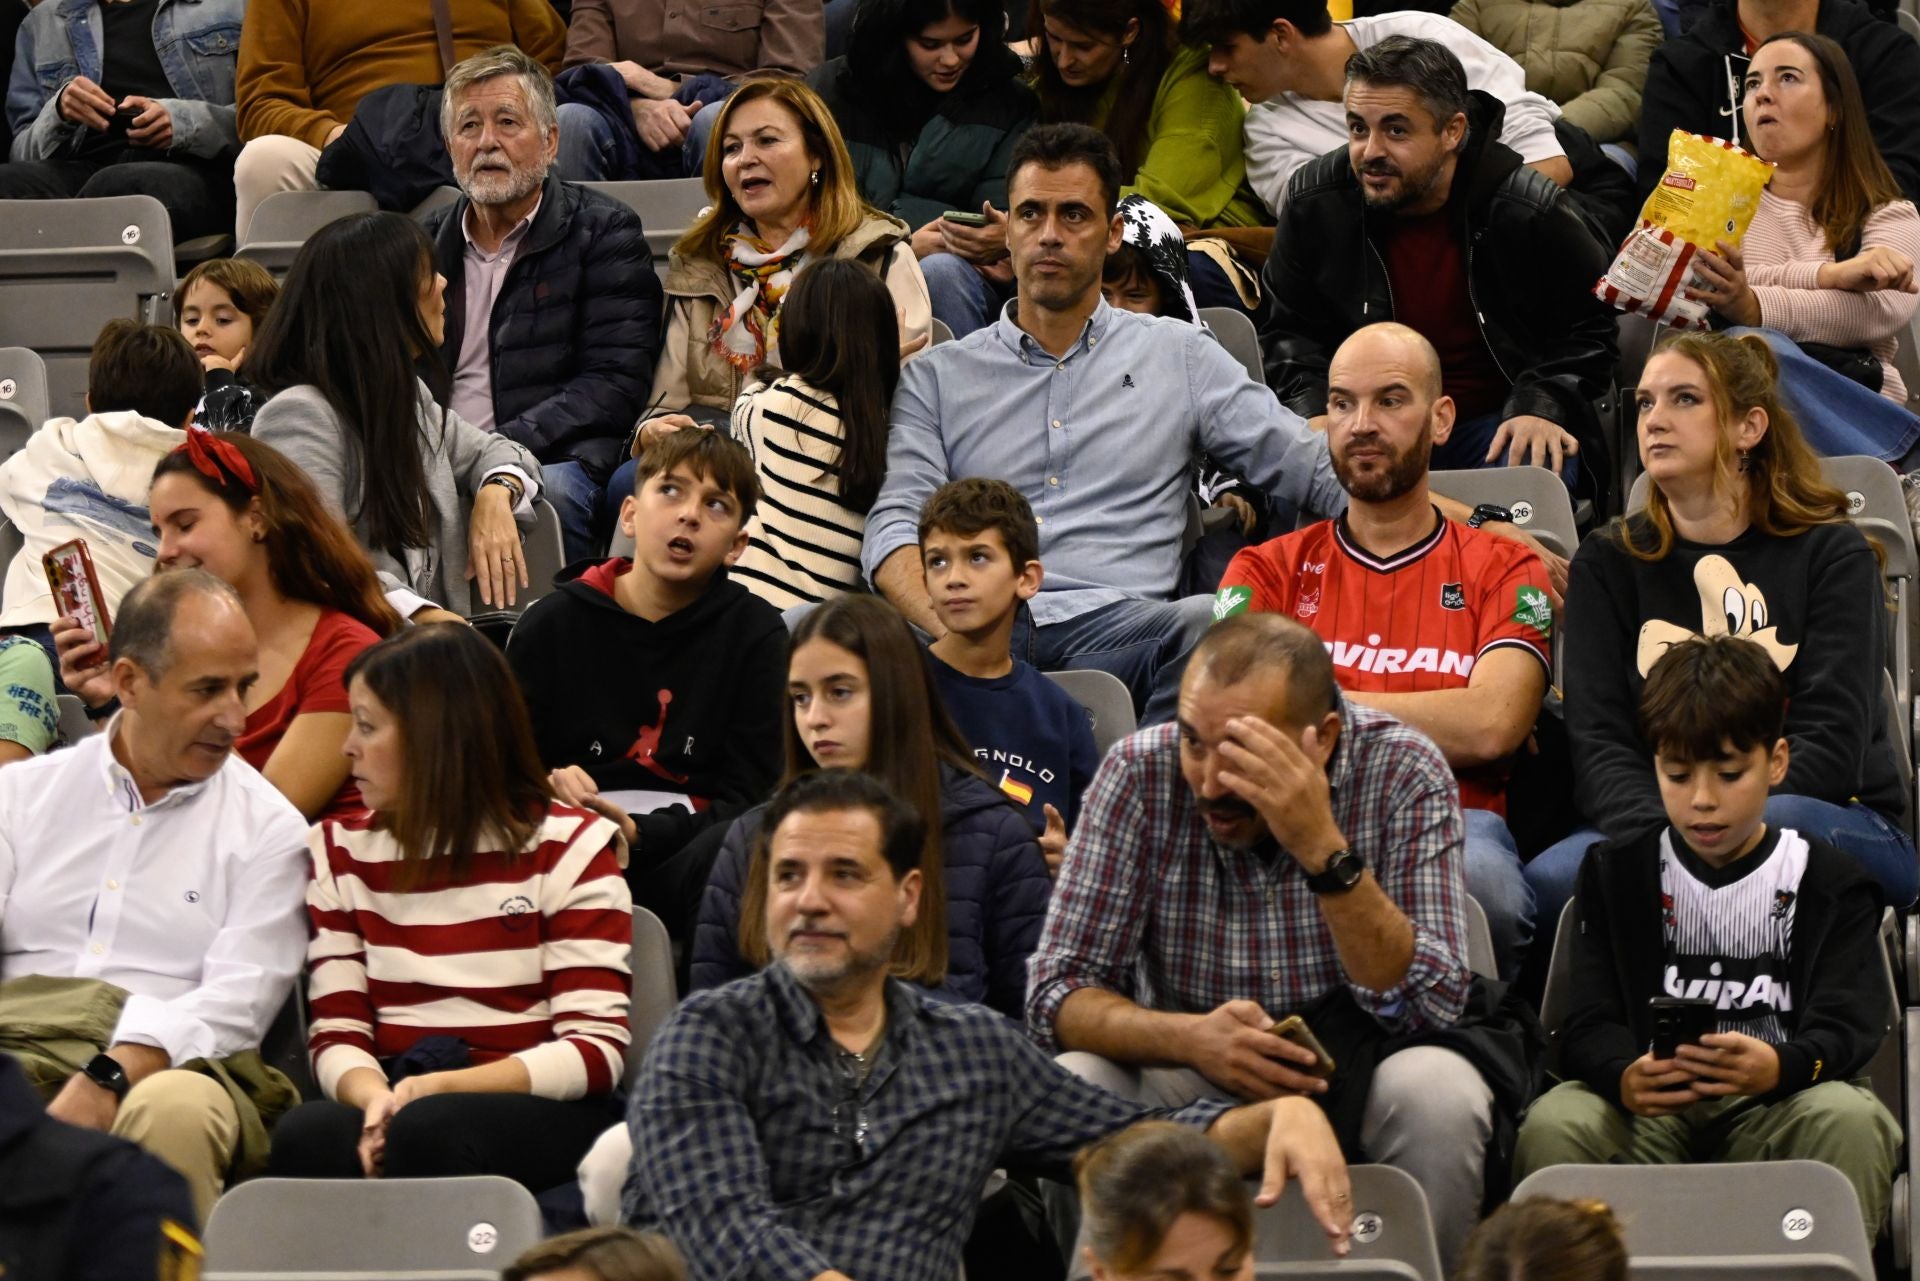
{"x":691,"y":704}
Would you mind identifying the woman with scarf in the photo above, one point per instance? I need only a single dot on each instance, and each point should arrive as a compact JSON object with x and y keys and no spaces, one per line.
{"x":784,"y":194}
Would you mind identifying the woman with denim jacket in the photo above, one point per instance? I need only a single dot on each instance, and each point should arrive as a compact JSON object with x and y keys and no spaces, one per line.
{"x":127,"y":97}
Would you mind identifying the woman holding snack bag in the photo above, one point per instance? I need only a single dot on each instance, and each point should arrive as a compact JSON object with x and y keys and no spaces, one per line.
{"x":1825,"y":272}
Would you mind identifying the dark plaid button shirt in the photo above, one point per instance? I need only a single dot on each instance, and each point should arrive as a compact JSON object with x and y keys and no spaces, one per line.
{"x":760,"y":1153}
{"x":1148,"y":905}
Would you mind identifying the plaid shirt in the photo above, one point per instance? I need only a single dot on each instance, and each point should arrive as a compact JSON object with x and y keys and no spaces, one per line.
{"x":754,"y":1149}
{"x":1149,"y":906}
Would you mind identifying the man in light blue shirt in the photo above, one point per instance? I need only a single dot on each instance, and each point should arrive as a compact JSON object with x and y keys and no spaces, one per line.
{"x":1096,"y":416}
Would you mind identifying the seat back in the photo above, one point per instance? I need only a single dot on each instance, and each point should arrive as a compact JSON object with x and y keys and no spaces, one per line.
{"x":285,"y":1044}
{"x":67,"y":267}
{"x":546,"y":557}
{"x":1480,"y":958}
{"x":1392,"y":1232}
{"x":667,"y":206}
{"x":23,"y":397}
{"x":1237,"y":334}
{"x":285,"y":219}
{"x":1692,"y":1217}
{"x":941,"y":333}
{"x":1107,"y":700}
{"x":463,"y":1229}
{"x":1559,"y":989}
{"x":1536,"y":497}
{"x":654,"y":991}
{"x":74,"y":724}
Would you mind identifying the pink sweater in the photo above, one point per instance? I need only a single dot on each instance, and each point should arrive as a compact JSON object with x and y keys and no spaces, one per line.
{"x":1784,"y":249}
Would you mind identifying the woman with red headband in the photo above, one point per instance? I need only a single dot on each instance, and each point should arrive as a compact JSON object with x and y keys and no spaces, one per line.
{"x":239,"y":509}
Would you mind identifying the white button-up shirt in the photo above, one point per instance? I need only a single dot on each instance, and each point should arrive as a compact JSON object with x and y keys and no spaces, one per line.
{"x":194,"y":904}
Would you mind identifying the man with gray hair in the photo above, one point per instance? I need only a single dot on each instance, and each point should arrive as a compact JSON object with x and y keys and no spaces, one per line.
{"x":152,"y":898}
{"x":553,"y":309}
{"x":1449,"y":233}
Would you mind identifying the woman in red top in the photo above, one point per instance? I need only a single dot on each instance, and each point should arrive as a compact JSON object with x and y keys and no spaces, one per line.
{"x":230,"y":505}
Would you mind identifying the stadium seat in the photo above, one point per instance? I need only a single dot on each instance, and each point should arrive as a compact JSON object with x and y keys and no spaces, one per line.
{"x":74,"y":724}
{"x":654,"y":991}
{"x":1761,"y":1220}
{"x":286,"y":218}
{"x":438,"y":198}
{"x":67,"y":267}
{"x":1107,"y":700}
{"x":1237,"y":334}
{"x":1536,"y":497}
{"x":1879,"y":509}
{"x":1559,"y":988}
{"x":1480,"y":957}
{"x":463,"y":1229}
{"x":941,"y":333}
{"x":667,"y":206}
{"x":545,"y":559}
{"x":285,"y":1044}
{"x":1392,"y":1233}
{"x":23,"y":397}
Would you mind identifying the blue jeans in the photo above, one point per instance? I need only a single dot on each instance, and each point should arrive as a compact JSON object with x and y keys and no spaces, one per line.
{"x":963,"y":299}
{"x":1466,"y":449}
{"x":1882,"y":849}
{"x":575,"y":496}
{"x":1496,"y":879}
{"x":586,"y":145}
{"x":1836,"y":414}
{"x":618,"y":488}
{"x":1143,"y":642}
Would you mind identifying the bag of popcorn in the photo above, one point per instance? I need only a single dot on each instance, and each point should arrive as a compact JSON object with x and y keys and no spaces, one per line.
{"x":1709,"y":193}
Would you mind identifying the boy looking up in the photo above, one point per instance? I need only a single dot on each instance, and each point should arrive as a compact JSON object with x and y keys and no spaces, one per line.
{"x":656,"y":684}
{"x":980,"y":547}
{"x":1775,"y":928}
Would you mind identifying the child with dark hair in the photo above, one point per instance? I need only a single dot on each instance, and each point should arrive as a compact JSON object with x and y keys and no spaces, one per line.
{"x":656,"y":683}
{"x":218,"y":307}
{"x":1774,"y":932}
{"x":981,"y":549}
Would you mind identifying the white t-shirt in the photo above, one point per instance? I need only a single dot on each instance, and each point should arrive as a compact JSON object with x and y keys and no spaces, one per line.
{"x":1287,"y":131}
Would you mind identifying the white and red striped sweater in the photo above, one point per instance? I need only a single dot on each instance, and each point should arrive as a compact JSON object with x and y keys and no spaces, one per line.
{"x":529,"y":957}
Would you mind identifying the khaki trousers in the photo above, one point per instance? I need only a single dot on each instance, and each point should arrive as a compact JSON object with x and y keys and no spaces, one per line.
{"x":266,"y":165}
{"x":187,"y":1119}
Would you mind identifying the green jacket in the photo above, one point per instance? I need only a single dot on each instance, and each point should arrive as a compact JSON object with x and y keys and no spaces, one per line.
{"x":956,"y":159}
{"x":1590,"y":56}
{"x":1195,"y":168}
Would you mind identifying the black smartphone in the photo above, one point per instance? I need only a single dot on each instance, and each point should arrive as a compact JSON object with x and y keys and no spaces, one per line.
{"x":965,"y":219}
{"x":1678,"y":1021}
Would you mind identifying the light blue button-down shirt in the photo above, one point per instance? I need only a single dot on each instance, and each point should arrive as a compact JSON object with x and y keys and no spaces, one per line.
{"x":1101,"y":441}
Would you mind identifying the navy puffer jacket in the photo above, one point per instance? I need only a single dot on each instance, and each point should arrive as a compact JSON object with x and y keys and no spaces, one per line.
{"x":575,"y":331}
{"x":996,"y":883}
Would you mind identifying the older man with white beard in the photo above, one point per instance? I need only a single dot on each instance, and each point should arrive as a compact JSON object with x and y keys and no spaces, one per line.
{"x":553,"y":309}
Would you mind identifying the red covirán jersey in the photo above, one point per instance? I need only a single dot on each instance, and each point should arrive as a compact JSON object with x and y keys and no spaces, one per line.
{"x":1406,"y":623}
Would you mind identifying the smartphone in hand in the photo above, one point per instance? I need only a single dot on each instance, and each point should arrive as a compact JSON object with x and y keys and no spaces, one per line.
{"x":965,"y":219}
{"x":1678,"y":1021}
{"x":76,"y":588}
{"x":1294,"y":1028}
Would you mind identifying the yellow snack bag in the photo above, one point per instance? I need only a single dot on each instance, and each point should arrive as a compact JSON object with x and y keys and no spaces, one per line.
{"x":1709,"y":193}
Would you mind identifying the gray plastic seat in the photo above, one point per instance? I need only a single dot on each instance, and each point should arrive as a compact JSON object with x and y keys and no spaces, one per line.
{"x":23,"y":397}
{"x":464,"y":1229}
{"x":546,"y":557}
{"x":1760,"y":1219}
{"x":67,"y":267}
{"x":655,"y":994}
{"x":1106,"y":698}
{"x":941,"y":333}
{"x":1480,"y":956}
{"x":667,"y":206}
{"x":1392,"y":1232}
{"x":1237,"y":334}
{"x":1537,"y":498}
{"x":285,"y":219}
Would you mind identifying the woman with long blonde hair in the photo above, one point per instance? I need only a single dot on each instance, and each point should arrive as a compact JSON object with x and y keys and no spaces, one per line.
{"x":1739,"y":537}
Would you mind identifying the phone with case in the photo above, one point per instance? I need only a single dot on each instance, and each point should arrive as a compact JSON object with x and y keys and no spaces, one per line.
{"x":76,"y":588}
{"x":1294,"y":1028}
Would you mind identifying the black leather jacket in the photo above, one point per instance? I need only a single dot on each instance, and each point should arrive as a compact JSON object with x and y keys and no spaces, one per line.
{"x":1531,"y":265}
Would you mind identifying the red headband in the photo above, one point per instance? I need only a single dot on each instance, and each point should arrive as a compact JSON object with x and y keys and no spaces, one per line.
{"x":218,"y":460}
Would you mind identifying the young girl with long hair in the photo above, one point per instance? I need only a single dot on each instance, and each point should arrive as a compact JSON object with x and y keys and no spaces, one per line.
{"x":818,"y":436}
{"x":239,"y":509}
{"x":864,"y":699}
{"x":1739,"y":537}
{"x":468,"y":975}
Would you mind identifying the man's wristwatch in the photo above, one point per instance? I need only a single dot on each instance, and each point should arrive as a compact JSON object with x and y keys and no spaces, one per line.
{"x":106,"y":1072}
{"x":1342,"y":872}
{"x":1489,"y":511}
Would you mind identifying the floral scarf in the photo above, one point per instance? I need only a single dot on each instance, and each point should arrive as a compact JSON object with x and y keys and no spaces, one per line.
{"x":750,"y":326}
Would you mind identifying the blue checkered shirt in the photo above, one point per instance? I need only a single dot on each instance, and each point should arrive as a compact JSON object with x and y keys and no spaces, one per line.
{"x":755,"y":1152}
{"x":1148,"y":905}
